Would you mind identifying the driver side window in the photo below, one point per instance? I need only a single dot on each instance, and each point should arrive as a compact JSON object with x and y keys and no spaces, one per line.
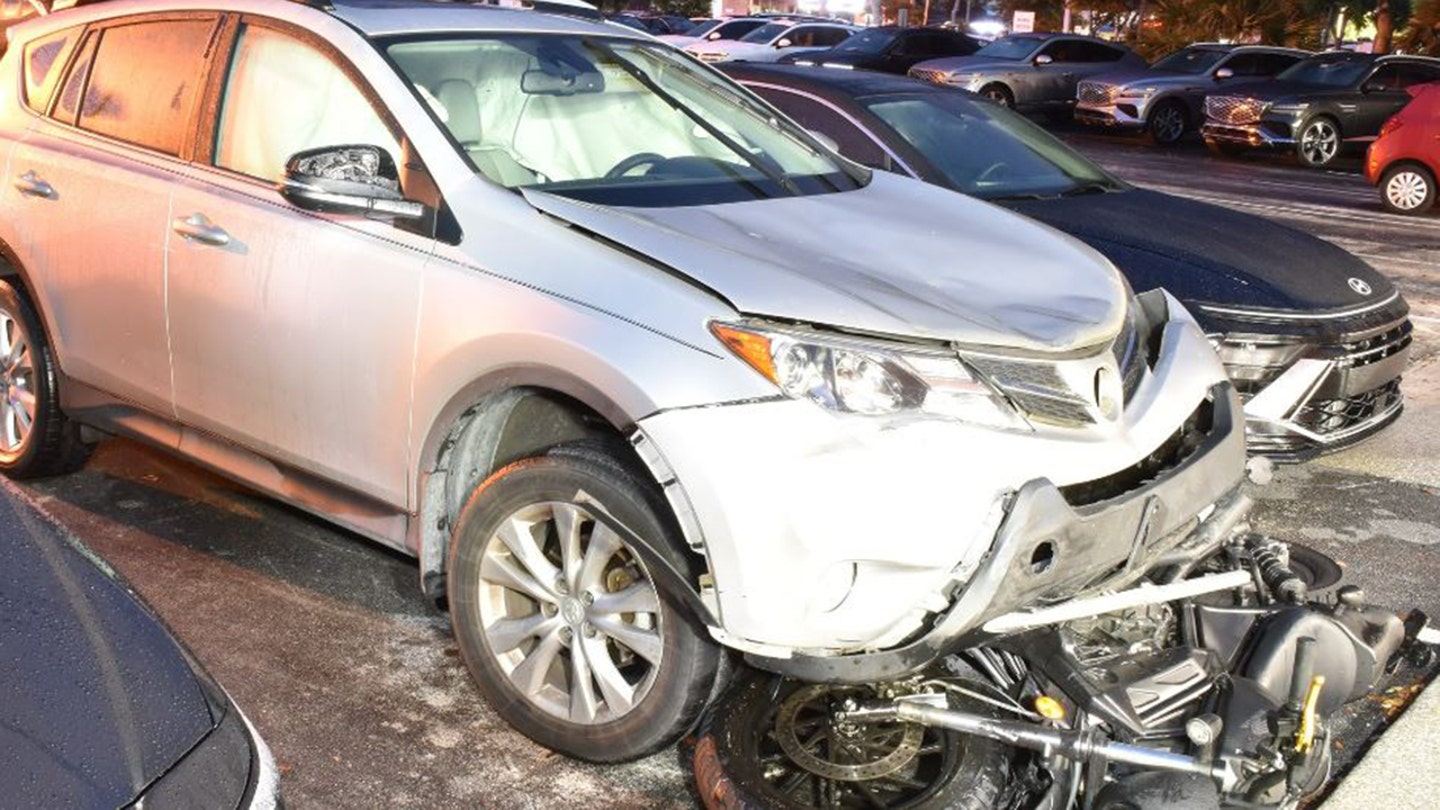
{"x":283,"y":96}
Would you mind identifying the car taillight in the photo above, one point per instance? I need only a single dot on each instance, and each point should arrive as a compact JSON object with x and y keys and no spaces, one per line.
{"x":1390,"y":126}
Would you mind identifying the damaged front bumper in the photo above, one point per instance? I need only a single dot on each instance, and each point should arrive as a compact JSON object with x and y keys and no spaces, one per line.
{"x":1309,"y":395}
{"x":830,"y":536}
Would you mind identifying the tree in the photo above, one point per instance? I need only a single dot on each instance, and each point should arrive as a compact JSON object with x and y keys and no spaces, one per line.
{"x":1422,"y":35}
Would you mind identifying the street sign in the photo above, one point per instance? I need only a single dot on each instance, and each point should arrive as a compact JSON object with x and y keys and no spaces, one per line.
{"x":1023,"y":23}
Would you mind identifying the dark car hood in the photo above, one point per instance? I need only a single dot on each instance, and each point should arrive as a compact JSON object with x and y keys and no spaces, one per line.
{"x":1204,"y":253}
{"x":1150,"y":76}
{"x":96,"y":699}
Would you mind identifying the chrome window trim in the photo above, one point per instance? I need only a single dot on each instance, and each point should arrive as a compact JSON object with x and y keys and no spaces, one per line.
{"x":1283,"y":315}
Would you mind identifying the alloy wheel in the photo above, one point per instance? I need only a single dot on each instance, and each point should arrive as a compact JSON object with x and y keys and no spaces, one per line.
{"x":1407,"y":190}
{"x":1319,"y":143}
{"x":1167,"y":124}
{"x":17,"y":384}
{"x":997,"y":95}
{"x":570,"y":613}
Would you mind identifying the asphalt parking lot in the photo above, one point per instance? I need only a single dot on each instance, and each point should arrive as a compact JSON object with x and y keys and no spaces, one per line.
{"x":323,"y":639}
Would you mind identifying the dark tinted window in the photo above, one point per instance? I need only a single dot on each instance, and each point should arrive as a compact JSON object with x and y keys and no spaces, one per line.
{"x":934,"y":43}
{"x":1197,"y":60}
{"x":44,"y":60}
{"x":145,"y":81}
{"x":1277,"y":62}
{"x":1418,"y":74}
{"x":1387,"y":77}
{"x":820,"y":117}
{"x":1248,"y":64}
{"x":816,"y":36}
{"x":1091,"y":52}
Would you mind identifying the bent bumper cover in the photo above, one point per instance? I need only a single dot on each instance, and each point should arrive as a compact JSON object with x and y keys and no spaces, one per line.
{"x":1106,"y":545}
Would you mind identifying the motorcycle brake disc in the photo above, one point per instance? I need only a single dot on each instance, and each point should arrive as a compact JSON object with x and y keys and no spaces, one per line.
{"x":843,"y":752}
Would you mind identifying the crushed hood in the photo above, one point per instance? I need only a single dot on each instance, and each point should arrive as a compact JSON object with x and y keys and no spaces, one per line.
{"x":898,"y":257}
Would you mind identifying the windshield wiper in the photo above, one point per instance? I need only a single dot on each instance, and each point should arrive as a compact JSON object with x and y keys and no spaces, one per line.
{"x":759,"y":165}
{"x":1088,"y":187}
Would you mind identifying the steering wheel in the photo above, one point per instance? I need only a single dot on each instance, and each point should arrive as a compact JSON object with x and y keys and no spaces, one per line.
{"x":633,"y":162}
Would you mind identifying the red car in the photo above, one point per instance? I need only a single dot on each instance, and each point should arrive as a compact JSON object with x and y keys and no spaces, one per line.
{"x":1405,"y":159}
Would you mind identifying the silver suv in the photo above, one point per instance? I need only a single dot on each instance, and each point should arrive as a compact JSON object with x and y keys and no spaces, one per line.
{"x":636,"y":367}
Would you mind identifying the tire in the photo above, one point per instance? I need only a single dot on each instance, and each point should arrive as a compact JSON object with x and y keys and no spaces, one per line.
{"x":1000,"y":94}
{"x":740,"y":765}
{"x":29,"y":390}
{"x":1168,"y":122}
{"x":519,"y":636}
{"x":1407,"y":188}
{"x":1319,"y":142}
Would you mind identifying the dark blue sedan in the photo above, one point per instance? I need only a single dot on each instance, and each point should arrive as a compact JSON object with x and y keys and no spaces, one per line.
{"x":1313,"y":337}
{"x":100,"y":707}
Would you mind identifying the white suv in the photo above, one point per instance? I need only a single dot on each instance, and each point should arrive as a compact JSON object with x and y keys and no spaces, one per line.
{"x":636,"y":367}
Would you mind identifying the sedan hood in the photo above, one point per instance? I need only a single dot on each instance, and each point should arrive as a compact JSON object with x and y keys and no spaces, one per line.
{"x":96,"y":699}
{"x":973,"y":64}
{"x":898,"y":257}
{"x":1204,"y":253}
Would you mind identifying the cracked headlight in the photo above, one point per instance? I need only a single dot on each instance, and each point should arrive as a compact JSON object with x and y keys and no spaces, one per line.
{"x":852,"y":375}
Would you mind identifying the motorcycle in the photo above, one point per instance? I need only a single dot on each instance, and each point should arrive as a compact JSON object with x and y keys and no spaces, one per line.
{"x":1210,"y":682}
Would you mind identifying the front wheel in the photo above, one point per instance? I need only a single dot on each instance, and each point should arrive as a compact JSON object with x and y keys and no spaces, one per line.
{"x":36,"y":439}
{"x":1000,"y":94}
{"x":1407,"y":189}
{"x":773,"y":744}
{"x":1168,"y":122}
{"x":561,"y":622}
{"x":1319,"y":143}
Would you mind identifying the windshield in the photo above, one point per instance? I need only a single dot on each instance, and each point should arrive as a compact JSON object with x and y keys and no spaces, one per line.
{"x":1190,"y":60}
{"x":765,"y":33}
{"x":704,"y":27}
{"x":612,"y":121}
{"x":874,"y":40}
{"x":1011,"y":48}
{"x":987,"y":151}
{"x":1330,"y":72}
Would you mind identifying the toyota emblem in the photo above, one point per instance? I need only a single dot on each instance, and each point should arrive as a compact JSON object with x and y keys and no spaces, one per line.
{"x":1360,"y":286}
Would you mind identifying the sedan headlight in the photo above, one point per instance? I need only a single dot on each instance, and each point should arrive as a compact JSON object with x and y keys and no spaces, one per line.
{"x":867,"y":377}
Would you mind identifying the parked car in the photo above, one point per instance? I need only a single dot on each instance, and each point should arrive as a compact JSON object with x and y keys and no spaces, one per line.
{"x":102,"y":706}
{"x":889,"y":49}
{"x":773,"y":40}
{"x":593,"y":333}
{"x":1405,"y":160}
{"x":1313,"y":337}
{"x":1167,"y":99}
{"x":1317,"y":106}
{"x":724,"y":30}
{"x":1031,"y":72}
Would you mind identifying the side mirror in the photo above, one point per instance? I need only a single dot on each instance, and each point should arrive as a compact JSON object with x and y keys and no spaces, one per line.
{"x":1044,"y":59}
{"x":784,"y":43}
{"x":712,"y":36}
{"x":829,"y":142}
{"x":1373,"y":87}
{"x":1224,"y":73}
{"x":356,"y":179}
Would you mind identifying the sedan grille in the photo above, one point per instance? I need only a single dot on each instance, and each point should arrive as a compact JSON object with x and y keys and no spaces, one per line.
{"x":1095,"y":93}
{"x":1373,"y":349}
{"x":1234,"y":109}
{"x":1326,"y":416}
{"x":934,"y":76}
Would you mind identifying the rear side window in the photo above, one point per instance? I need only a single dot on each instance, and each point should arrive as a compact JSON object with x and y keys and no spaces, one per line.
{"x":145,"y":80}
{"x":44,"y":60}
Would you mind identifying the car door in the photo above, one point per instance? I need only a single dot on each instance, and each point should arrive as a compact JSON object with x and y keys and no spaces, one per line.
{"x":292,"y":331}
{"x":94,"y":182}
{"x":1381,"y":95}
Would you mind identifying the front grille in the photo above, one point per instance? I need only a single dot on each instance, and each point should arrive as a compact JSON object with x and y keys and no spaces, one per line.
{"x":1041,"y":392}
{"x":1326,"y":416}
{"x":934,"y":76}
{"x":1234,"y":109}
{"x":1095,"y":93}
{"x":1373,"y":349}
{"x":1170,"y":454}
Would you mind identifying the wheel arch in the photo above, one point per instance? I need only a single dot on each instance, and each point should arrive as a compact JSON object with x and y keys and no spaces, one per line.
{"x":503,"y":417}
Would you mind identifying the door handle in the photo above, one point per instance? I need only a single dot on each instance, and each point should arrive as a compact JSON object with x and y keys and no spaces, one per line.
{"x":31,"y":185}
{"x":198,"y":228}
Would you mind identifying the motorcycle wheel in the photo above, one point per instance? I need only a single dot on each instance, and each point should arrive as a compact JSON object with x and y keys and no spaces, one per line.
{"x":771,"y":743}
